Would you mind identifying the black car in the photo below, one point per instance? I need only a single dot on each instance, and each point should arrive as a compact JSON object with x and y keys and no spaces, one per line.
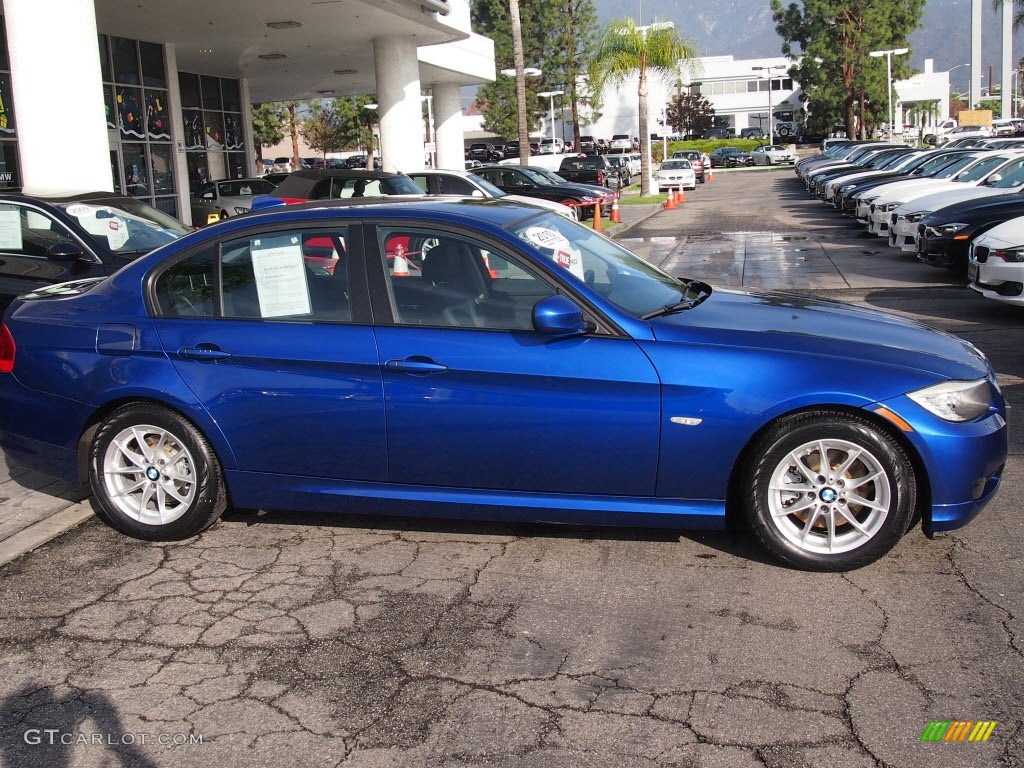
{"x":328,"y":184}
{"x":71,"y":237}
{"x":945,"y":235}
{"x":588,"y":145}
{"x":485,"y":153}
{"x":546,"y":185}
{"x":730,"y":157}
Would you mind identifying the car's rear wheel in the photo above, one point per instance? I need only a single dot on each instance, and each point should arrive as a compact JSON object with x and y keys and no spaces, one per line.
{"x":153,"y":475}
{"x":829,"y":491}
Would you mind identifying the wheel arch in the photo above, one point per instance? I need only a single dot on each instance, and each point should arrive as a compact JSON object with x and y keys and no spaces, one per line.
{"x":922,"y":510}
{"x":91,"y":426}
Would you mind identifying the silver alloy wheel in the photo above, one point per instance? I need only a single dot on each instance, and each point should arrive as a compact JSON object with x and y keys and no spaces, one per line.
{"x":149,"y":474}
{"x":833,"y":505}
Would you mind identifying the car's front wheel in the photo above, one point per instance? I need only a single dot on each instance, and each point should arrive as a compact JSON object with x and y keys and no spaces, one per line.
{"x":829,"y":491}
{"x":153,"y":475}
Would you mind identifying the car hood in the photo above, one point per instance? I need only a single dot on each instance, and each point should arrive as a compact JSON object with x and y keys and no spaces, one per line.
{"x":588,"y":190}
{"x":804,"y":325}
{"x":985,"y":209}
{"x":932,"y":202}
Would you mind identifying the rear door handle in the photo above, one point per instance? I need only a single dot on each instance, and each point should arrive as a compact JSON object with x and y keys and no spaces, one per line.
{"x":203,"y":352}
{"x":416,"y":365}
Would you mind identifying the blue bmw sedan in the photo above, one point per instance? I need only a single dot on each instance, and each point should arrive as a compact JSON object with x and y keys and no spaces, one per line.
{"x":486,"y":359}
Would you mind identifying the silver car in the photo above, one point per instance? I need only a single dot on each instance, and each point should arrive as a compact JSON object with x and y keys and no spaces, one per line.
{"x":218,"y":200}
{"x":773,"y":154}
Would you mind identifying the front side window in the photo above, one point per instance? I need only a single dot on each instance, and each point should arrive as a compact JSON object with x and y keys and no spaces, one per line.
{"x":29,"y":232}
{"x":444,"y":280}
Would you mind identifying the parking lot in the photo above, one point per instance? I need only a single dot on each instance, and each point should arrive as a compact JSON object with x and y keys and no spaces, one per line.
{"x":293,"y":639}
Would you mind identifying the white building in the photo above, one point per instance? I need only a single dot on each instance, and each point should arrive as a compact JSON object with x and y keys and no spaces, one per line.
{"x":151,"y":99}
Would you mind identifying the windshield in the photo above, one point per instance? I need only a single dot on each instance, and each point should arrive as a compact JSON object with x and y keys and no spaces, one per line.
{"x":981,"y":169}
{"x":485,"y":185}
{"x":669,"y":165}
{"x":244,"y":188}
{"x":953,"y":169}
{"x":401,"y":185}
{"x":621,"y":277}
{"x":1012,"y":175}
{"x":125,"y":225}
{"x":537,"y":176}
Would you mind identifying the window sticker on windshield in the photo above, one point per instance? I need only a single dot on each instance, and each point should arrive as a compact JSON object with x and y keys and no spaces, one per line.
{"x":280,"y":276}
{"x":10,"y":230}
{"x":117,"y":233}
{"x":80,"y":211}
{"x":245,"y":191}
{"x":556,"y":247}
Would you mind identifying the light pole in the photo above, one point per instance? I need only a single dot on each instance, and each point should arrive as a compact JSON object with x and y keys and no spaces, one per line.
{"x":771,"y":123}
{"x":551,"y":95}
{"x":888,"y":68}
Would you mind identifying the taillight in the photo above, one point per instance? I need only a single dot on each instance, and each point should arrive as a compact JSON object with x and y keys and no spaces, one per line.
{"x":7,"y":349}
{"x":600,"y":177}
{"x":294,"y":200}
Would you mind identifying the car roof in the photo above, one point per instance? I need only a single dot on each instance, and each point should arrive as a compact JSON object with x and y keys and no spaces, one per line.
{"x":77,"y":197}
{"x":343,"y":173}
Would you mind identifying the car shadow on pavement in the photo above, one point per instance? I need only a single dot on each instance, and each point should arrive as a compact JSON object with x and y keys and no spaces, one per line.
{"x":709,"y":544}
{"x":41,"y":729}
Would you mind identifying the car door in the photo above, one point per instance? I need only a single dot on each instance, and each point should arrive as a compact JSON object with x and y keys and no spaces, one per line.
{"x":203,"y":203}
{"x":477,"y":399}
{"x":269,"y":329}
{"x":30,"y":242}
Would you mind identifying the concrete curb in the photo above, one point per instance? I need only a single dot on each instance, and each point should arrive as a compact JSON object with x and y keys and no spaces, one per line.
{"x":624,"y":228}
{"x":39,"y":533}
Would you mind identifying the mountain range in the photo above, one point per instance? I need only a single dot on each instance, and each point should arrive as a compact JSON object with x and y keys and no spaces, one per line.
{"x":744,"y":28}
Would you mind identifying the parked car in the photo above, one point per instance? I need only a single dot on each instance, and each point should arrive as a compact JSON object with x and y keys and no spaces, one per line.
{"x":995,"y":267}
{"x":537,"y":182}
{"x":696,"y":160}
{"x":283,"y":164}
{"x":773,"y":154}
{"x":752,"y":133}
{"x":327,"y":184}
{"x":602,"y":146}
{"x":588,"y":145}
{"x":266,"y":166}
{"x":675,"y":174}
{"x":944,"y":236}
{"x":621,"y":142}
{"x":964,"y":132}
{"x":485,"y":153}
{"x":604,"y":384}
{"x":621,"y":164}
{"x":591,"y":169}
{"x":222,"y":199}
{"x":730,"y":157}
{"x":718,"y":133}
{"x":551,"y":147}
{"x":50,"y":240}
{"x":512,"y":149}
{"x":465,"y":184}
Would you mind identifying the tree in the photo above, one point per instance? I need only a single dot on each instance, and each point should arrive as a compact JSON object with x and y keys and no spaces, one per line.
{"x":579,"y":21}
{"x":840,"y":81}
{"x":292,"y":126}
{"x":267,"y":126}
{"x":996,"y":105}
{"x":625,"y":50}
{"x":321,"y":128}
{"x":689,"y":113}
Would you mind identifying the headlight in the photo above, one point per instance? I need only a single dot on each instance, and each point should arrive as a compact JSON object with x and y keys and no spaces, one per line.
{"x":847,"y":188}
{"x":890,"y":207}
{"x":239,"y":210}
{"x":955,"y":400}
{"x":1011,"y":255}
{"x":913,"y":218}
{"x":949,"y":229}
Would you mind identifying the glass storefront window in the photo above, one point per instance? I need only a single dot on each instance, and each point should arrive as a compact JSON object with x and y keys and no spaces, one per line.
{"x":130,"y":113}
{"x":163,"y":169}
{"x":211,"y":92}
{"x":10,"y":171}
{"x":232,"y":97}
{"x":136,"y":170}
{"x":152,"y":57}
{"x":126,"y":61}
{"x":214,"y":137}
{"x":158,"y":125}
{"x":214,"y":122}
{"x":188,"y":84}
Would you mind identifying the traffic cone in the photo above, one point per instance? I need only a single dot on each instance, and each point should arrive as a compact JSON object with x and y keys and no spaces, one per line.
{"x":670,"y":201}
{"x":487,"y":266}
{"x":711,"y":175}
{"x":597,"y":217}
{"x":401,"y":266}
{"x":681,"y":197}
{"x":616,"y":217}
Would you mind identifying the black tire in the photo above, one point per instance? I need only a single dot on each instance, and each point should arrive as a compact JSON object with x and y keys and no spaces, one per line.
{"x":188,"y":455}
{"x":800,"y":537}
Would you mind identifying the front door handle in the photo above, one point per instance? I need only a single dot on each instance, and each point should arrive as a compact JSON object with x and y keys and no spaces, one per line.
{"x":416,"y":365}
{"x":203,"y":352}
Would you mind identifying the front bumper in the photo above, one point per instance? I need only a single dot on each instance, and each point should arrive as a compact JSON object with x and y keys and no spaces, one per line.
{"x":996,"y":279}
{"x":902,"y":234}
{"x":942,"y":250}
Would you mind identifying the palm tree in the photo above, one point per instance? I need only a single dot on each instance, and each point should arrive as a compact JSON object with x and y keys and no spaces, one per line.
{"x":626,"y":49}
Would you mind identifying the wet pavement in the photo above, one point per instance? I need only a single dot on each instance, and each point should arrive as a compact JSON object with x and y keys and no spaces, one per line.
{"x":301,"y":640}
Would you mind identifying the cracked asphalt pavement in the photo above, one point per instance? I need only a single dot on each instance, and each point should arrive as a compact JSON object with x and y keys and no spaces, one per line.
{"x":300,"y":640}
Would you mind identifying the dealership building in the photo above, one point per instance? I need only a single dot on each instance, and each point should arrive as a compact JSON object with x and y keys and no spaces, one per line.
{"x":151,"y":99}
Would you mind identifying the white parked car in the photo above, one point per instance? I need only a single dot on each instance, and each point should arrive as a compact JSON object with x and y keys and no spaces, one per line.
{"x":965,"y":132}
{"x":1007,"y":178}
{"x":675,"y":174}
{"x":552,"y":147}
{"x":995,"y":264}
{"x":634,"y":163}
{"x":773,"y":154}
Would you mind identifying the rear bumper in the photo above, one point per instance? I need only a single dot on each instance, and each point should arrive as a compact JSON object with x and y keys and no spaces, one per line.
{"x":40,"y":431}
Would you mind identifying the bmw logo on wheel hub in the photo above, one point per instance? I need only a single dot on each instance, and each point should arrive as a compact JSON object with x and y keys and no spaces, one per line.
{"x":827,"y":495}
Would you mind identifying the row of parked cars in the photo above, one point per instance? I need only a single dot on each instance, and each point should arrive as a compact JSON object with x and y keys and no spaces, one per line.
{"x":960,"y":206}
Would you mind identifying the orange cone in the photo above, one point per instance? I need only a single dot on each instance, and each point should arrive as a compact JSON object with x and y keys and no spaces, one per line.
{"x":401,"y":266}
{"x":597,"y":217}
{"x":681,"y":197}
{"x":670,"y":200}
{"x":487,"y":266}
{"x":711,"y":175}
{"x":616,"y":216}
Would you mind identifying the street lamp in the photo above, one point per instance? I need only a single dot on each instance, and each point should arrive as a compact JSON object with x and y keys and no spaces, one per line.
{"x":551,"y":95}
{"x":888,"y":68}
{"x":768,"y":69}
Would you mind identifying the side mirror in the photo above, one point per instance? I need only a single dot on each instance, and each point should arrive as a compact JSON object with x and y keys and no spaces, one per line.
{"x":64,"y":252}
{"x":207,"y":195}
{"x":995,"y":178}
{"x":559,"y":317}
{"x":477,"y":193}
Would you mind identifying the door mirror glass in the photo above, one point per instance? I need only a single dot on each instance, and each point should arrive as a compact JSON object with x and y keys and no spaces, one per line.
{"x":559,"y":317}
{"x":207,"y":195}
